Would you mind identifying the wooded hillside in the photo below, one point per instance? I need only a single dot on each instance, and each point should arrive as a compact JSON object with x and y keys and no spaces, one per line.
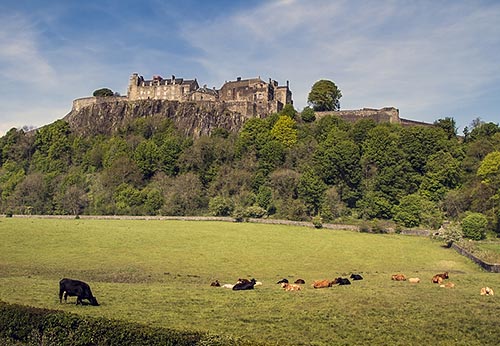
{"x":278,"y":167}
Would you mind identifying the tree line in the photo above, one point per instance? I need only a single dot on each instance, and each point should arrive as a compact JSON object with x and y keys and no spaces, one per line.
{"x":289,"y":165}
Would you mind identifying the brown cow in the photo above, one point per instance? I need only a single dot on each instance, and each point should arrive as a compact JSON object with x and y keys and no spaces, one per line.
{"x":448,"y":285}
{"x":290,"y":287}
{"x":486,"y":291}
{"x":398,"y":277}
{"x":321,"y":284}
{"x":414,"y":280}
{"x":438,"y":278}
{"x":299,"y":281}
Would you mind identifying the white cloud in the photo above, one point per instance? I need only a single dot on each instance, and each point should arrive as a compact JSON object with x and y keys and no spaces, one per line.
{"x":420,"y":58}
{"x":20,"y":57}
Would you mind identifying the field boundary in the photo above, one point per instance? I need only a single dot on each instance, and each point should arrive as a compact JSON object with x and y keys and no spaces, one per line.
{"x":193,"y":218}
{"x":492,"y":268}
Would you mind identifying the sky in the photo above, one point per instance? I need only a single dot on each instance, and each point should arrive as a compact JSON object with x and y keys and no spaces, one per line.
{"x":430,"y":59}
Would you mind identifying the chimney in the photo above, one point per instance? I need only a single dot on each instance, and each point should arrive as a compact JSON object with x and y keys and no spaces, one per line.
{"x":238,"y":79}
{"x":173,"y":79}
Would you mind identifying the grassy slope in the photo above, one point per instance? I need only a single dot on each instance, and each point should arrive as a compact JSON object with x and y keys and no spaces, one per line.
{"x":158,"y":273}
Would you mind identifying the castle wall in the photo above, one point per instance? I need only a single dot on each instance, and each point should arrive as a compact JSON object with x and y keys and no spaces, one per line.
{"x":383,"y":115}
{"x":80,"y":103}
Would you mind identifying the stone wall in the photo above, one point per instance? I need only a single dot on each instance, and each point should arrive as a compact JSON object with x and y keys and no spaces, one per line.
{"x":493,"y":268}
{"x":80,"y":103}
{"x":383,"y":115}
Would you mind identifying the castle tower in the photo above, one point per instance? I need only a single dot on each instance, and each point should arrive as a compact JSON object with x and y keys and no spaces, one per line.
{"x":132,"y":91}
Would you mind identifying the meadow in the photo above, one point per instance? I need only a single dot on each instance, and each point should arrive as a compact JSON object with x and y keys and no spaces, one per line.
{"x":158,"y":273}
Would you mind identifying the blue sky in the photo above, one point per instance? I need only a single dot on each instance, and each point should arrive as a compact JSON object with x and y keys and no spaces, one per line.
{"x":429,"y":59}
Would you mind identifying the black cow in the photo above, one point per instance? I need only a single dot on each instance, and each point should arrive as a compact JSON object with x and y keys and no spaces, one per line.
{"x":240,"y":286}
{"x":356,"y":277}
{"x":76,"y":288}
{"x":282,"y":281}
{"x":341,"y":281}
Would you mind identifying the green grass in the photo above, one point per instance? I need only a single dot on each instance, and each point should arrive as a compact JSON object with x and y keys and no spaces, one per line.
{"x":159,"y":273}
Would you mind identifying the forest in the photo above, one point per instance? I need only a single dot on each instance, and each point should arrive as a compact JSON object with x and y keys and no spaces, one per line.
{"x":289,"y":165}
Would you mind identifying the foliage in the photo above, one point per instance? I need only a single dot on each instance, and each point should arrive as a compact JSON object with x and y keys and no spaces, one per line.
{"x":415,"y":210}
{"x":293,"y":168}
{"x":284,"y":131}
{"x":474,"y":226}
{"x":220,"y":206}
{"x":324,"y":96}
{"x":308,"y":115}
{"x":451,"y":233}
{"x":103,"y":92}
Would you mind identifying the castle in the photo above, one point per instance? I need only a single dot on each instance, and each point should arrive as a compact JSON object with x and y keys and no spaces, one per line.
{"x":250,"y":97}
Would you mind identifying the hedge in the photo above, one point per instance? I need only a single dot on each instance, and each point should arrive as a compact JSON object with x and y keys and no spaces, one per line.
{"x":26,"y":325}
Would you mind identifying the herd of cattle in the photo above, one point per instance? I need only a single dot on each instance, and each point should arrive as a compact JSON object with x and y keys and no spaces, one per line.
{"x":80,"y":289}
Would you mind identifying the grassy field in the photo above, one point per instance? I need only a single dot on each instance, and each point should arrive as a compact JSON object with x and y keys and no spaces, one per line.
{"x":159,"y":273}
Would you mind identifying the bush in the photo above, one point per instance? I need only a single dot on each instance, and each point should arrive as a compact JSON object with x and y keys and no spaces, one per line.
{"x":317,"y":221}
{"x":103,"y":92}
{"x":27,"y":325}
{"x":474,"y":226}
{"x":255,"y":211}
{"x":220,"y":206}
{"x":451,"y":233}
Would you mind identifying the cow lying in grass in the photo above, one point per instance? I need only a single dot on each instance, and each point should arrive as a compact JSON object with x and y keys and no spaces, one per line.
{"x":438,"y":278}
{"x":398,"y":277}
{"x":244,"y":284}
{"x":322,"y":284}
{"x":341,"y":281}
{"x":290,"y":287}
{"x":414,"y":280}
{"x":486,"y":291}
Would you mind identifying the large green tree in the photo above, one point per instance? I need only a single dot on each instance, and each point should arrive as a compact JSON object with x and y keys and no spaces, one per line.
{"x":324,"y":96}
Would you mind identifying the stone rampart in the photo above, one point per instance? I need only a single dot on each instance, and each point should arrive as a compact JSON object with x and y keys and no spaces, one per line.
{"x":383,"y":115}
{"x":80,"y":103}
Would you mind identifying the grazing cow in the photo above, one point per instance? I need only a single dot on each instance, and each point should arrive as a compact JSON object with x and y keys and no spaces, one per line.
{"x":414,"y":280}
{"x":290,"y":287}
{"x":398,"y":277}
{"x":216,"y":283}
{"x":282,"y":281}
{"x":341,"y":281}
{"x":486,"y":291}
{"x":76,"y":288}
{"x":321,"y":284}
{"x":438,"y":278}
{"x":356,"y":277}
{"x":299,"y":281}
{"x":241,"y":286}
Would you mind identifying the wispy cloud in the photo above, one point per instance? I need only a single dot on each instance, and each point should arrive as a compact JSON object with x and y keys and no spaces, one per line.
{"x":418,"y":57}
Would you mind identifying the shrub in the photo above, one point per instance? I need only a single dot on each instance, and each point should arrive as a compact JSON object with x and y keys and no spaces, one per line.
{"x":317,"y":221}
{"x":220,"y":206}
{"x":451,"y":233}
{"x":255,"y":211}
{"x":474,"y":226}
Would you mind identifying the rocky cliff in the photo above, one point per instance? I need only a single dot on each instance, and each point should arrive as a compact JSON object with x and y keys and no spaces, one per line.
{"x":193,"y":118}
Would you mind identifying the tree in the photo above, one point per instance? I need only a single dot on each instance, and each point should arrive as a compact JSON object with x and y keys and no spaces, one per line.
{"x":448,"y":125}
{"x":308,"y":115}
{"x":324,"y":96}
{"x":103,"y":92}
{"x":311,"y":190}
{"x":474,"y":226}
{"x":285,"y":131}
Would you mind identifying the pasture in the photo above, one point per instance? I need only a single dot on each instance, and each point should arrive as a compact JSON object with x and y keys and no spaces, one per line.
{"x":159,"y":273}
